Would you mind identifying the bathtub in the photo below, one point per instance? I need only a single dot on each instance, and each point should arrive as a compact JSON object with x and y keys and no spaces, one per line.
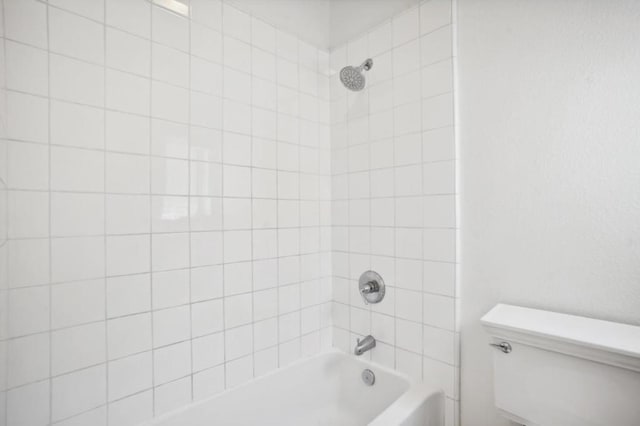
{"x":323,"y":390}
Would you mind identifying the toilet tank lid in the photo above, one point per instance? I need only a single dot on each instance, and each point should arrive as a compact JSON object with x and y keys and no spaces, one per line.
{"x":603,"y":341}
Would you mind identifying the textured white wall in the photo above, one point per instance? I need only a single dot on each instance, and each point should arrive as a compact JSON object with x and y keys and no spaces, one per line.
{"x":549,"y":106}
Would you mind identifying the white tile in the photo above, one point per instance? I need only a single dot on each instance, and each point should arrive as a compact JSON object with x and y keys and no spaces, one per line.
{"x":206,"y":144}
{"x":77,"y":303}
{"x":29,"y":405}
{"x":208,"y":351}
{"x":209,"y":382}
{"x":236,"y":149}
{"x":128,"y":295}
{"x":169,"y":102}
{"x":127,"y":92}
{"x":77,"y":125}
{"x":263,"y":92}
{"x":169,"y":251}
{"x":206,"y":110}
{"x":239,"y":371}
{"x":170,"y":288}
{"x":205,"y":213}
{"x":236,"y":23}
{"x":28,"y":262}
{"x":77,"y":170}
{"x":406,"y":58}
{"x":238,"y":278}
{"x":77,"y":392}
{"x":441,"y":375}
{"x":436,"y":46}
{"x":237,"y":246}
{"x":409,"y":335}
{"x":169,"y":214}
{"x":207,"y":12}
{"x":127,"y":214}
{"x":128,"y":254}
{"x":172,"y":362}
{"x":170,"y":65}
{"x":76,"y":81}
{"x":206,"y":283}
{"x":77,"y":258}
{"x":287,"y":46}
{"x":127,"y":52}
{"x":263,"y":35}
{"x":438,"y":144}
{"x":172,"y":395}
{"x":264,"y":64}
{"x":439,"y":278}
{"x":406,"y":26}
{"x":265,"y":334}
{"x":236,"y":117}
{"x":237,"y":181}
{"x":130,"y":16}
{"x":77,"y":347}
{"x":439,"y":211}
{"x":26,"y":21}
{"x":171,"y":325}
{"x":206,"y":179}
{"x":437,"y":78}
{"x":408,"y":305}
{"x":76,"y":214}
{"x":206,"y":248}
{"x":380,"y":39}
{"x":169,"y":176}
{"x":128,"y":335}
{"x":409,"y":212}
{"x":28,"y":214}
{"x":26,"y":68}
{"x":439,"y":344}
{"x":97,"y":417}
{"x":206,"y":43}
{"x":26,"y":118}
{"x":439,"y":178}
{"x":28,"y":166}
{"x":207,"y":317}
{"x":206,"y":76}
{"x":127,"y":133}
{"x":437,"y":111}
{"x":170,"y":29}
{"x":27,"y":359}
{"x":439,"y":311}
{"x":238,"y":342}
{"x":130,"y":375}
{"x":93,"y":9}
{"x":132,"y":410}
{"x":237,"y":85}
{"x":265,"y":244}
{"x":75,"y":36}
{"x":408,"y":180}
{"x":237,"y":213}
{"x":237,"y":310}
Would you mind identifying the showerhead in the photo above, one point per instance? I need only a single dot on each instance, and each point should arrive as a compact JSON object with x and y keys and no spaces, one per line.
{"x":353,"y":77}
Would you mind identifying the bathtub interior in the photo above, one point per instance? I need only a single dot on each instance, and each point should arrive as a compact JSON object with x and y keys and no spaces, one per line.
{"x":323,"y":390}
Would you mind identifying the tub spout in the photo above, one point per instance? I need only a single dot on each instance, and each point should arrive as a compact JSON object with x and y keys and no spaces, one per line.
{"x":365,"y":344}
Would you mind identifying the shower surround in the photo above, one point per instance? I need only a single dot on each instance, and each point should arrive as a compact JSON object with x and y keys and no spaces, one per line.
{"x":192,"y":199}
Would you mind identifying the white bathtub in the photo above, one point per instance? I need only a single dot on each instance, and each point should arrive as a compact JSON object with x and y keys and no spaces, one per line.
{"x":324,"y":390}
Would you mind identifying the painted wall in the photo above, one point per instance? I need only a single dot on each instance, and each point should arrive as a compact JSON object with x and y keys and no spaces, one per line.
{"x":169,"y":193}
{"x":393,"y":209}
{"x":549,"y":109}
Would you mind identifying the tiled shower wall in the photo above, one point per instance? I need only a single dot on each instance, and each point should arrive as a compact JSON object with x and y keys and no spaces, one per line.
{"x":169,"y":206}
{"x":394,"y":196}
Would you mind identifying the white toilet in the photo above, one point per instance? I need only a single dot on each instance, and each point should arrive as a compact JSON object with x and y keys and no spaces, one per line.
{"x":554,"y":369}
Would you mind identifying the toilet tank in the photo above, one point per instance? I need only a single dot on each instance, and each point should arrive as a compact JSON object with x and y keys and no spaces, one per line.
{"x":556,"y":369}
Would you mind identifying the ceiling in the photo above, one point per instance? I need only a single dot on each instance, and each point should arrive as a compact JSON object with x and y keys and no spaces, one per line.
{"x":324,"y":23}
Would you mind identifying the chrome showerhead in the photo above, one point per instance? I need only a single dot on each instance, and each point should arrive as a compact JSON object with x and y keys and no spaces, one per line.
{"x":353,"y":77}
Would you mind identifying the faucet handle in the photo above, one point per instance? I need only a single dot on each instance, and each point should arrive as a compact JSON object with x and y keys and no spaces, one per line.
{"x":371,"y":287}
